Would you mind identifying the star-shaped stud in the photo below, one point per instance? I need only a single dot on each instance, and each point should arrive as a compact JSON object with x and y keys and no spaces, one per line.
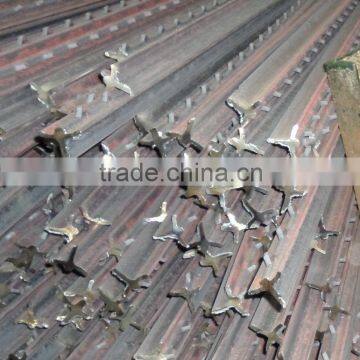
{"x":244,"y":114}
{"x":115,"y":251}
{"x":214,"y":262}
{"x":199,"y":192}
{"x":76,"y":314}
{"x":90,"y":219}
{"x":273,"y":337}
{"x":206,"y":308}
{"x":58,"y":140}
{"x":203,"y":337}
{"x":68,"y":266}
{"x":324,"y":233}
{"x":157,"y":141}
{"x":203,"y":244}
{"x":113,"y":306}
{"x":240,"y":144}
{"x":127,"y":319}
{"x":112,"y":80}
{"x":233,"y":226}
{"x":315,"y":246}
{"x":268,"y":286}
{"x":290,"y":144}
{"x":265,"y":241}
{"x":161,"y":217}
{"x":217,"y":150}
{"x":26,"y":256}
{"x":335,"y":310}
{"x":185,"y":139}
{"x":260,"y":217}
{"x":187,"y":294}
{"x":234,"y":302}
{"x":176,"y":232}
{"x":289,"y":193}
{"x":88,"y":295}
{"x":324,"y":289}
{"x":31,"y":321}
{"x":140,"y":282}
{"x":68,"y":231}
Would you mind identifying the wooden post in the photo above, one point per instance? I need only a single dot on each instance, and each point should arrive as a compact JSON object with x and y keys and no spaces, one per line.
{"x":343,"y":76}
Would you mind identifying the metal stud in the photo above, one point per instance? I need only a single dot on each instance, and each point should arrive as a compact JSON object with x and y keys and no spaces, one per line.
{"x":72,"y":45}
{"x":68,"y":266}
{"x":94,"y":36}
{"x":171,"y":117}
{"x":259,"y":217}
{"x":45,"y":31}
{"x":188,"y":102}
{"x":113,"y":28}
{"x":20,"y":40}
{"x":90,"y":98}
{"x":136,"y":284}
{"x":160,"y":29}
{"x":20,"y":67}
{"x":79,"y":112}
